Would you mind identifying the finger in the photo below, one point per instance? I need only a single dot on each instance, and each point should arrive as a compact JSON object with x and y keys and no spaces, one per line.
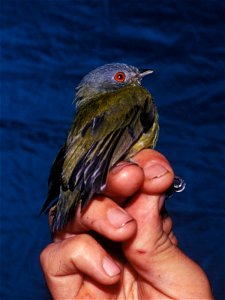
{"x":123,"y":181}
{"x":145,"y":170}
{"x":156,"y":258}
{"x":173,"y":238}
{"x":158,"y":172}
{"x":145,"y":208}
{"x":150,"y":240}
{"x":64,"y":264}
{"x":167,"y":223}
{"x":103,"y":216}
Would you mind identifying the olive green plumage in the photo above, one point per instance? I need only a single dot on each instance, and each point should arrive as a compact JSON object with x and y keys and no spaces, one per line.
{"x":110,"y":125}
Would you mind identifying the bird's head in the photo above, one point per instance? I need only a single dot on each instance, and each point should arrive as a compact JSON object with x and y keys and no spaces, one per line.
{"x":108,"y":78}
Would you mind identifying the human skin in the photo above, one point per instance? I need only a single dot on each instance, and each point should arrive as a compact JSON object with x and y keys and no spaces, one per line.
{"x":139,"y":259}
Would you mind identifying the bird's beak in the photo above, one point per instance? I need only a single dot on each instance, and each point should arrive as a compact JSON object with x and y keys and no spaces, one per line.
{"x":144,"y":72}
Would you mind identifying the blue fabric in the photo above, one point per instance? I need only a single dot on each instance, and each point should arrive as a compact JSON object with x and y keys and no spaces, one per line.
{"x":47,"y":46}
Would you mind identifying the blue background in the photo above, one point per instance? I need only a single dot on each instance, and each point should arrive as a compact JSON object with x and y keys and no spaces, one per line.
{"x":47,"y":46}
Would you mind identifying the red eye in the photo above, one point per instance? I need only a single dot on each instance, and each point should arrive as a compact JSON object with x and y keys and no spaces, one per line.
{"x":120,"y":77}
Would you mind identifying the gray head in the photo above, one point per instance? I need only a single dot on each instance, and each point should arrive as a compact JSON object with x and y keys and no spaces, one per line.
{"x":108,"y":78}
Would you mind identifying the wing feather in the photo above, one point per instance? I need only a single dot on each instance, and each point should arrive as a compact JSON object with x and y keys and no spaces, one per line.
{"x":92,"y":149}
{"x":54,"y":180}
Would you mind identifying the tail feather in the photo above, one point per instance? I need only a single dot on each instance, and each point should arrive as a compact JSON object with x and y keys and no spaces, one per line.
{"x":64,"y":209}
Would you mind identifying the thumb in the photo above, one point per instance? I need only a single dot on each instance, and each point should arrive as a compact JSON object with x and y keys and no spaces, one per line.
{"x":151,"y":252}
{"x":151,"y":240}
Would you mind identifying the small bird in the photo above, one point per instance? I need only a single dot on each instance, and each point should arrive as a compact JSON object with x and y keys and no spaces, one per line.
{"x":116,"y":117}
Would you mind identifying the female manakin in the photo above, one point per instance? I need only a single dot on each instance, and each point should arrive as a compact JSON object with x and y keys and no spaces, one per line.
{"x":115,"y":118}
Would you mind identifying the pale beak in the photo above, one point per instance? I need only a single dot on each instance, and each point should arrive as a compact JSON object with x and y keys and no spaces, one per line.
{"x":144,"y":73}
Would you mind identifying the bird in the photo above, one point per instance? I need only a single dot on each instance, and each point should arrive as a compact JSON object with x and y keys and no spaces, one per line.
{"x":115,"y":118}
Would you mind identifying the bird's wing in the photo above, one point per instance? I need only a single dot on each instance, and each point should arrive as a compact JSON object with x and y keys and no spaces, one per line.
{"x":94,"y":145}
{"x":89,"y":174}
{"x":55,"y":180}
{"x":106,"y":139}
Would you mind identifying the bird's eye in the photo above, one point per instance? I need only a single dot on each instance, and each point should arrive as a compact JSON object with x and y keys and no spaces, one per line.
{"x":120,"y":77}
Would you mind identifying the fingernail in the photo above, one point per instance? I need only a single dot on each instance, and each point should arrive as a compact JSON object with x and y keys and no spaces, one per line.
{"x":155,"y":171}
{"x":118,"y":217}
{"x":110,"y":267}
{"x":121,"y":165}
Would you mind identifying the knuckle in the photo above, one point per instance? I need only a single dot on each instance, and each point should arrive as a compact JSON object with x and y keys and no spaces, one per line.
{"x":63,"y":253}
{"x":44,"y":257}
{"x":80,"y":243}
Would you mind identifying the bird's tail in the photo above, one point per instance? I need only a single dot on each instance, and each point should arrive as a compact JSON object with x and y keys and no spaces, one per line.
{"x":64,"y":209}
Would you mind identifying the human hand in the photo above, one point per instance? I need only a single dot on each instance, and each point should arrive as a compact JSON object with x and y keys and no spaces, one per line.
{"x":139,"y":257}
